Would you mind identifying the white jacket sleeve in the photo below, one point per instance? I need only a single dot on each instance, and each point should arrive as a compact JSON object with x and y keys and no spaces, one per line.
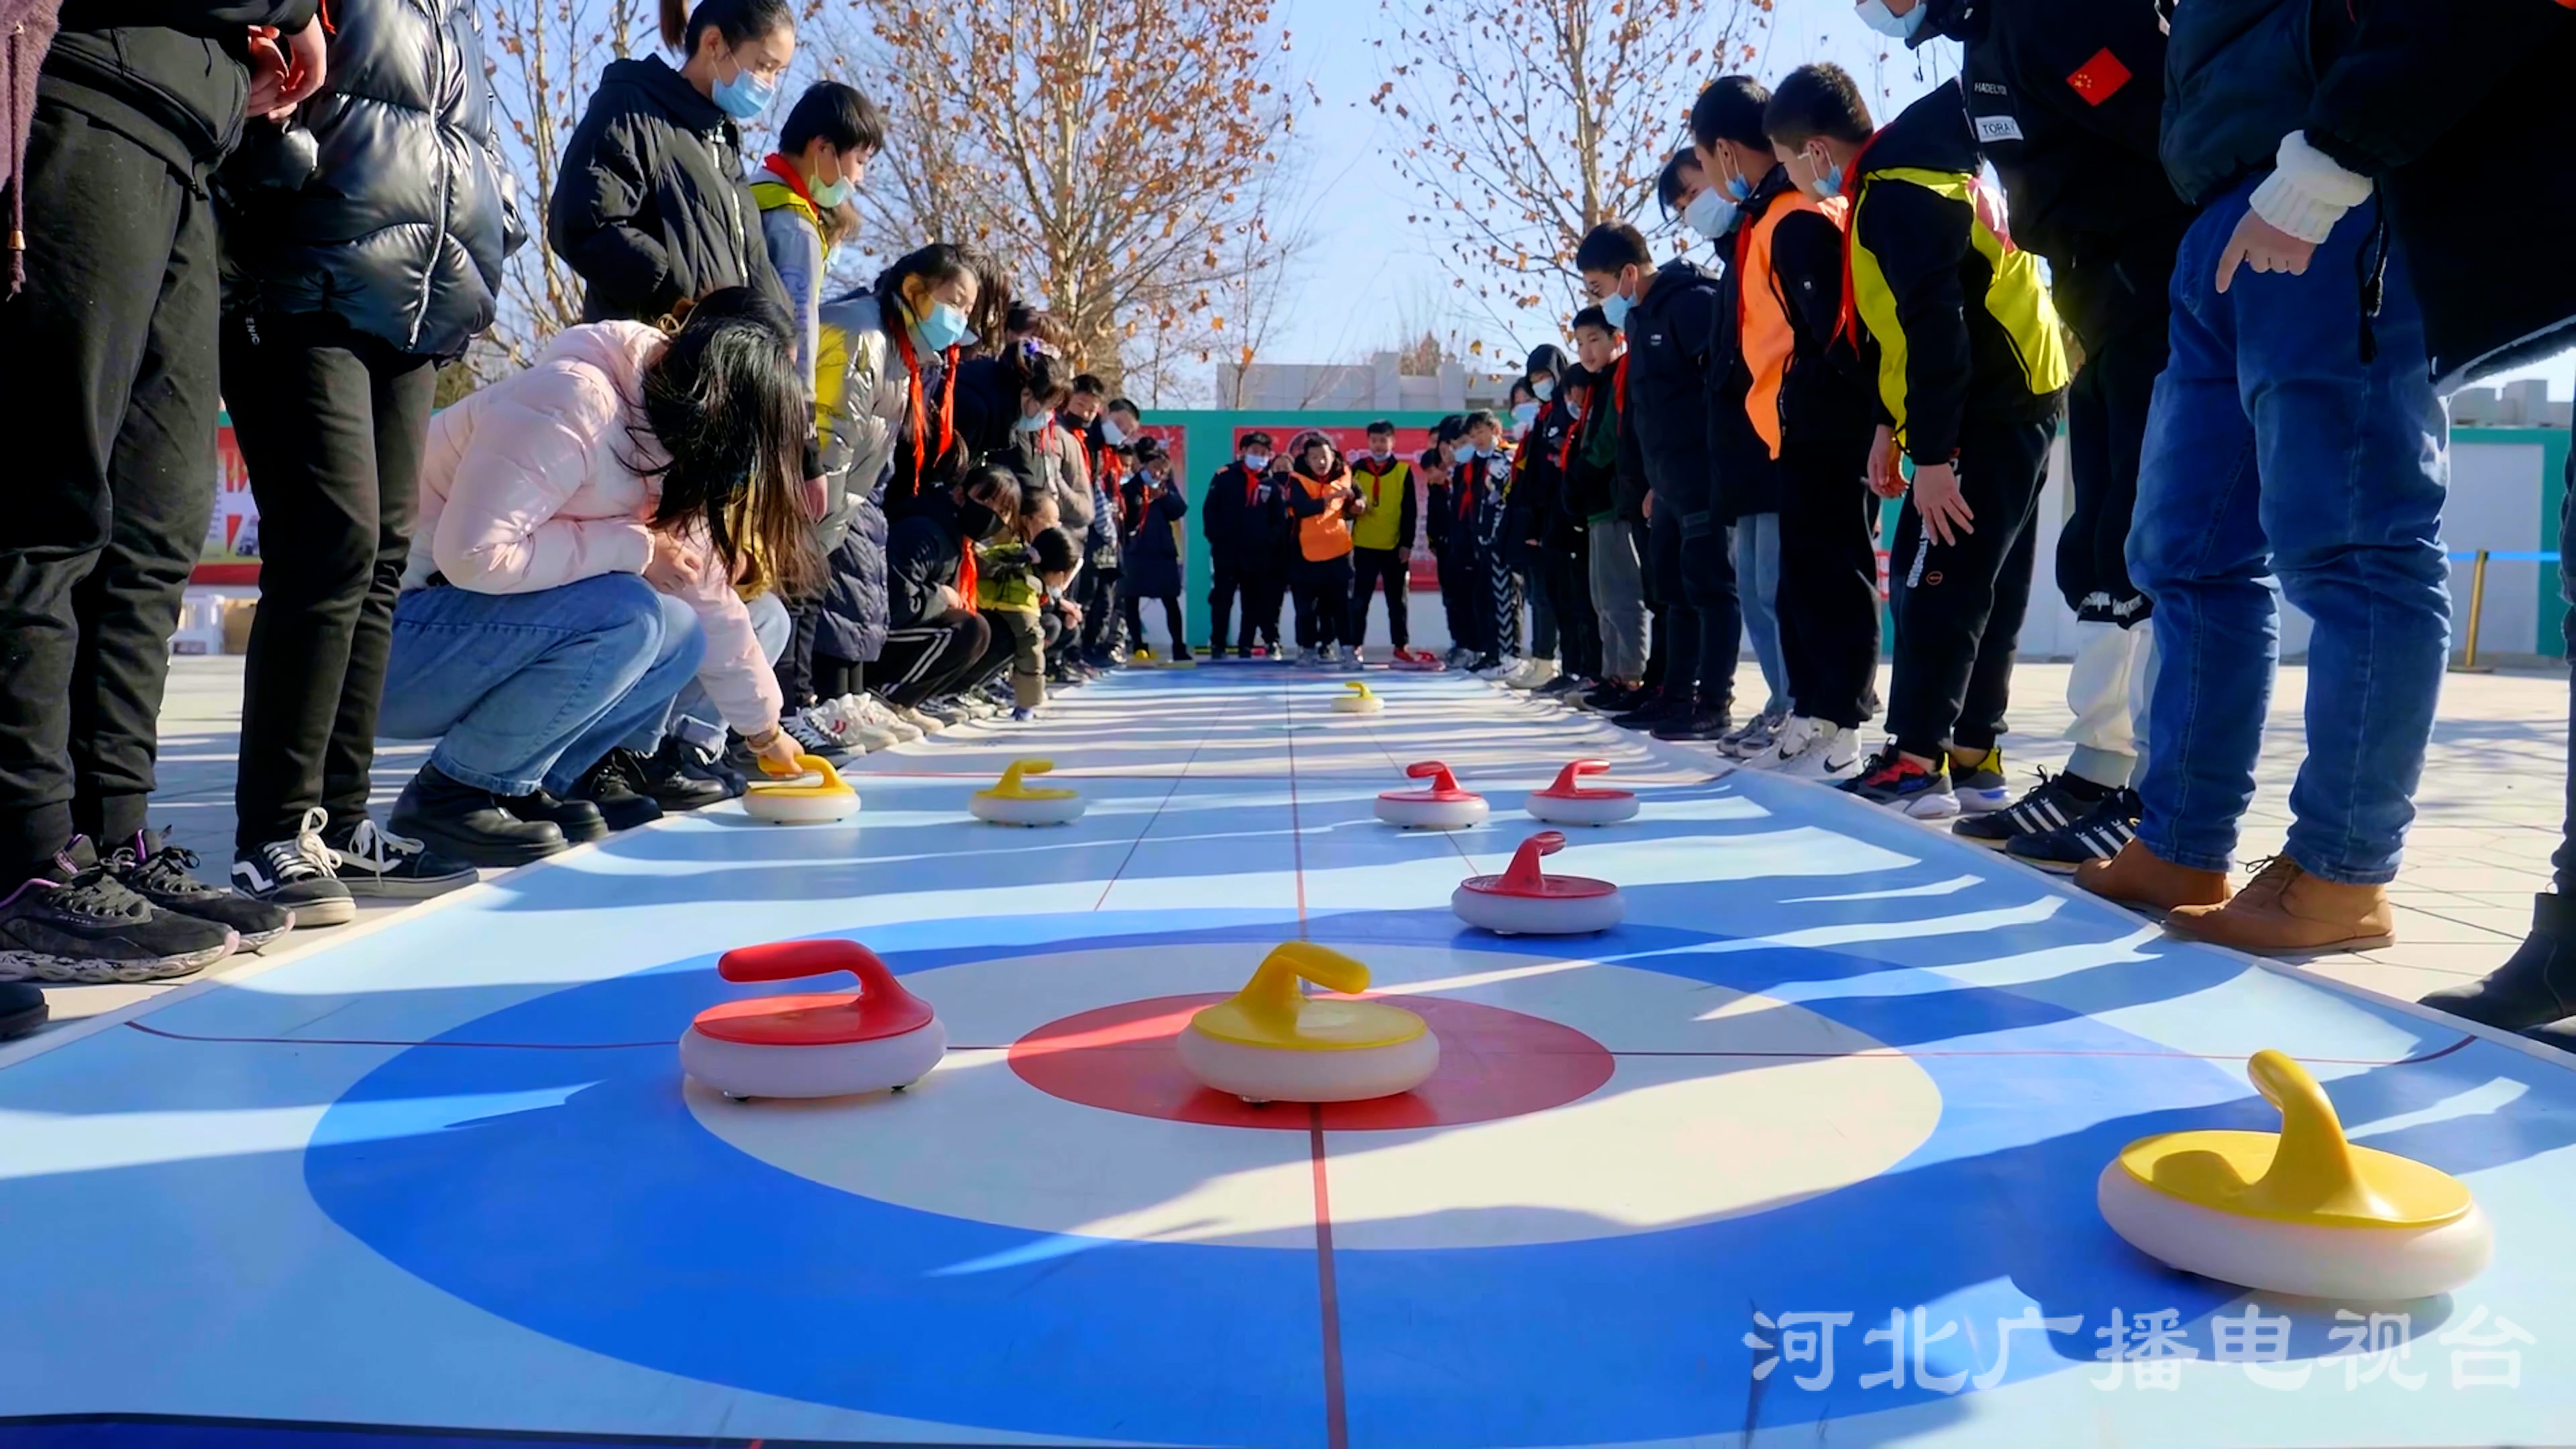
{"x":533,"y":449}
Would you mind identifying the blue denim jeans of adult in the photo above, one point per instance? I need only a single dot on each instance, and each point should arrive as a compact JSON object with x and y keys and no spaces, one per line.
{"x":527,"y":689}
{"x":694,"y":716}
{"x":1757,"y":583}
{"x":2275,"y":451}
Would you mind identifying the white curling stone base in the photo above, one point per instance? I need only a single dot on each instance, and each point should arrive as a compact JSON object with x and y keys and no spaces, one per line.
{"x":739,"y":1069}
{"x":1268,"y":1074}
{"x":1353,"y":704}
{"x":799,"y":809}
{"x":1432,"y":814}
{"x":1559,"y":811}
{"x":1026,"y":812}
{"x":1531,"y":916}
{"x":2360,"y":1264}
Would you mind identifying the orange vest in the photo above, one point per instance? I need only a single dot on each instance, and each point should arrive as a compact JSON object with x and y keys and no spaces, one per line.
{"x":1327,"y":535}
{"x":1762,"y":315}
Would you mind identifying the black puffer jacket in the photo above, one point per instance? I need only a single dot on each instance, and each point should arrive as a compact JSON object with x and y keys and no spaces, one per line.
{"x":1670,"y":333}
{"x":165,"y":74}
{"x":652,"y":206}
{"x":385,"y":201}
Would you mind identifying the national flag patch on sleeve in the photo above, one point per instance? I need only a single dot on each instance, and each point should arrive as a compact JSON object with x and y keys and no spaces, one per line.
{"x":2100,"y":78}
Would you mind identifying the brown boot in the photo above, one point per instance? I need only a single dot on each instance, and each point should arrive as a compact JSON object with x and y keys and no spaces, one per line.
{"x":2284,"y":911}
{"x":2136,"y":877}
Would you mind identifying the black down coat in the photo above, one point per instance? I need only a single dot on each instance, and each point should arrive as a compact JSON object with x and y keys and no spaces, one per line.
{"x":384,"y":201}
{"x":650,"y":205}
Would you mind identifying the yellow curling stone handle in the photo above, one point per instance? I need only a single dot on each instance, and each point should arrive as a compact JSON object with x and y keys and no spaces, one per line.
{"x":1357,"y":689}
{"x":828,"y":783}
{"x":1270,"y":1010}
{"x":2307,"y":1173}
{"x":1013,"y":787}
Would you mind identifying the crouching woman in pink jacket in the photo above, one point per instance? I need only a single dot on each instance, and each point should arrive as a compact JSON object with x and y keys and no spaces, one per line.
{"x":593,"y":523}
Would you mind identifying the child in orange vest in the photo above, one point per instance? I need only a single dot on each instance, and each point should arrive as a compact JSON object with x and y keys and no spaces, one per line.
{"x":1319,"y":570}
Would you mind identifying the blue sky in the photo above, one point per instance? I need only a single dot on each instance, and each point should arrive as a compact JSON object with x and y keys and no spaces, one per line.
{"x":1345,"y":300}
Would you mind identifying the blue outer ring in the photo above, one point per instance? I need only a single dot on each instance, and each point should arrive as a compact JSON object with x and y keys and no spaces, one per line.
{"x":571,"y":1191}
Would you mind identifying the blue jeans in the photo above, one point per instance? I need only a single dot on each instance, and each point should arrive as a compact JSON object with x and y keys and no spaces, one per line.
{"x":1757,"y":583}
{"x":2273,"y":450}
{"x":694,"y":716}
{"x":527,"y":689}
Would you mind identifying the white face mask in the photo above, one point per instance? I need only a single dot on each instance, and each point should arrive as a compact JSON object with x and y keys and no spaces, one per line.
{"x":1709,"y":214}
{"x":1876,"y":15}
{"x":1111,"y":433}
{"x":1381,"y":451}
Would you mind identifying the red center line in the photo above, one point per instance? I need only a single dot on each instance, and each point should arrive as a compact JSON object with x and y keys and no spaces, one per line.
{"x":1328,"y":1293}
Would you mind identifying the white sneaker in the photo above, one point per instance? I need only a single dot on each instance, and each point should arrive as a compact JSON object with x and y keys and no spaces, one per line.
{"x":1532,"y":675}
{"x":925,"y":724}
{"x":812,"y":738}
{"x":835,"y":718}
{"x":1811,"y":749}
{"x":874,"y":711}
{"x":1502,"y":669}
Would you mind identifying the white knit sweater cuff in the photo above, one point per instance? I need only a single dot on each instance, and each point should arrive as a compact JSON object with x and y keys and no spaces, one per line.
{"x":2307,"y":193}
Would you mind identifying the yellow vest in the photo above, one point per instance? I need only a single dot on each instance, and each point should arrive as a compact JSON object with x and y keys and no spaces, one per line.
{"x":1385,"y":494}
{"x":2015,"y":296}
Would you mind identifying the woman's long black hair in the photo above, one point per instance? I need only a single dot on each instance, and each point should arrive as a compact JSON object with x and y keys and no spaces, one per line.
{"x":726,"y":403}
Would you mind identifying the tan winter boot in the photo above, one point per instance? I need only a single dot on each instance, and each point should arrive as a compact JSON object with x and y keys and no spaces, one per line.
{"x":2137,"y":878}
{"x":2284,"y":911}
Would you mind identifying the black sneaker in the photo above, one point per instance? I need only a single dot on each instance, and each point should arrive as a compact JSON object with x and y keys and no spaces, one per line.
{"x":1560,"y":687}
{"x":2056,"y":802}
{"x":72,"y":921}
{"x":1612,"y":699}
{"x":299,"y":873}
{"x":1652,"y":712}
{"x":665,"y":776}
{"x":22,"y":1009}
{"x":1899,"y":784}
{"x":158,"y":871}
{"x":470,"y":824}
{"x":617,"y":786}
{"x":2098,"y":835}
{"x":1700,"y":722}
{"x":378,"y":864}
{"x":581,"y":821}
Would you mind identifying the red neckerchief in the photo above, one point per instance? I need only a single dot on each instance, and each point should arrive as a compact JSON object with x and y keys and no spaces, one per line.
{"x":1619,"y":384}
{"x":1251,"y":486}
{"x":1573,"y":430}
{"x":966,"y":570}
{"x":1846,"y":323}
{"x":785,"y":170}
{"x":1466,"y":490}
{"x":947,"y":403}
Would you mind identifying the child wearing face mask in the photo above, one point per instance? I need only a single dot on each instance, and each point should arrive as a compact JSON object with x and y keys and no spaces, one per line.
{"x":936,"y":639}
{"x":1235,"y":520}
{"x":1382,"y":541}
{"x":1957,"y":328}
{"x":1152,"y":506}
{"x":650,"y":205}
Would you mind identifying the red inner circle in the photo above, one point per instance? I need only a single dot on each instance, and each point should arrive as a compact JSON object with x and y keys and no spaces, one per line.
{"x":1493,"y":1064}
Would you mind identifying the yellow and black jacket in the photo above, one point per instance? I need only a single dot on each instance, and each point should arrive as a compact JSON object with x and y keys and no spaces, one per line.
{"x":1952,"y":316}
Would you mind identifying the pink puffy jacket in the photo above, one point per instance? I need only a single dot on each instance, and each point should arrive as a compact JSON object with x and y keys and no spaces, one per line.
{"x":528,"y":485}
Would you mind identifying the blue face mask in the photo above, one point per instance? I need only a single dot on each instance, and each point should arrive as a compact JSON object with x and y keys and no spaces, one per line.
{"x":1876,"y":15}
{"x":745,"y":96}
{"x":829,"y":197}
{"x":944,"y":328}
{"x":1545,"y":387}
{"x":1030,"y":424}
{"x":1831,"y":183}
{"x":1614,"y":308}
{"x":1738,"y":189}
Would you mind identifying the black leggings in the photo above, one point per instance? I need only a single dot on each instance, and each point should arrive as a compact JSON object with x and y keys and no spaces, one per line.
{"x":1372,"y":567}
{"x":1174,"y":630}
{"x":1323,"y":591}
